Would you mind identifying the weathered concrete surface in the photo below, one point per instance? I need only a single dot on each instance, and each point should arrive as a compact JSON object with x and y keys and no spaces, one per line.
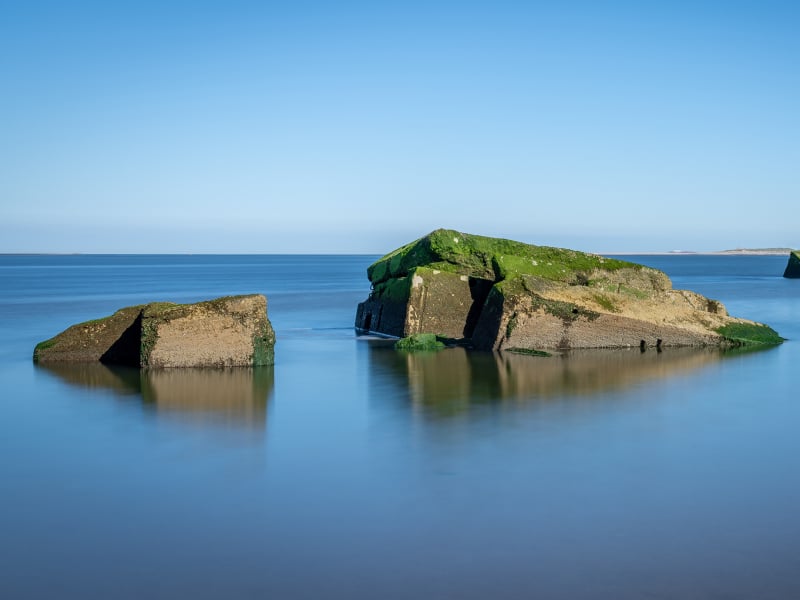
{"x":527,"y":313}
{"x":793,"y":266}
{"x":226,"y":332}
{"x":426,"y":300}
{"x":495,"y":294}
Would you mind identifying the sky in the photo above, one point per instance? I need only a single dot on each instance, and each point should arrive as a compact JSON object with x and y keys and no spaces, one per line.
{"x":355,"y":127}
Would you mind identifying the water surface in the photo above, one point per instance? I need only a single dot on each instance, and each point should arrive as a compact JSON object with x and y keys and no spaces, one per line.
{"x":349,"y":470}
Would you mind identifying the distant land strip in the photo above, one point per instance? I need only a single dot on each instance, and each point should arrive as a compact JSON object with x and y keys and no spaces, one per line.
{"x":770,"y":251}
{"x":735,"y":252}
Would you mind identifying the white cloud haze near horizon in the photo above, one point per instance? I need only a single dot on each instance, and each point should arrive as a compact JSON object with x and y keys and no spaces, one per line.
{"x":353,"y":128}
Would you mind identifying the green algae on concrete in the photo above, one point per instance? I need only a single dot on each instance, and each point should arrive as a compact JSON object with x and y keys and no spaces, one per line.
{"x":750,"y":334}
{"x":100,"y":339}
{"x":419,"y":342}
{"x":494,"y":293}
{"x":393,"y":290}
{"x":263,"y":348}
{"x":529,"y":352}
{"x":793,"y":266}
{"x":489,"y":258}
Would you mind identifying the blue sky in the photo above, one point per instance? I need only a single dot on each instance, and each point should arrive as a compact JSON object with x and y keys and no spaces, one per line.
{"x":355,"y":127}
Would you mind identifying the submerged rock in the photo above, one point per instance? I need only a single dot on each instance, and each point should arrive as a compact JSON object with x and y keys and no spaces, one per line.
{"x":496,"y":294}
{"x":793,"y":266}
{"x":226,"y":332}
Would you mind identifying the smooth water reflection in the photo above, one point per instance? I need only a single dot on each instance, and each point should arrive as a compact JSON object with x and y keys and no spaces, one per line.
{"x":455,"y":475}
{"x":235,"y":396}
{"x":451,"y":381}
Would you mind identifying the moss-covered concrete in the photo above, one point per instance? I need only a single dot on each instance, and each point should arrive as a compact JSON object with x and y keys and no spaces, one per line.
{"x":426,"y":300}
{"x":490,"y":258}
{"x":749,"y":334}
{"x":228,"y":331}
{"x":110,"y":339}
{"x":495,"y":293}
{"x":793,"y":266}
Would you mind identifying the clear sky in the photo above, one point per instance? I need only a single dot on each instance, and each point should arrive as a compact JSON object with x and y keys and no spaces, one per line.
{"x":194,"y":126}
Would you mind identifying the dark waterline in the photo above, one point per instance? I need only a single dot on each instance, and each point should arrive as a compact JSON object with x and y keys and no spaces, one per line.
{"x":351,"y":471}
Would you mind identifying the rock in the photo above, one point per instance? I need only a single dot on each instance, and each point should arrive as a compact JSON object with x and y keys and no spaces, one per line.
{"x":793,"y":266}
{"x":499,"y":294}
{"x":226,"y":332}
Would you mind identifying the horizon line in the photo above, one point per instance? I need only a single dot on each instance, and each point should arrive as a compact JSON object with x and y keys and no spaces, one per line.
{"x":733,"y":252}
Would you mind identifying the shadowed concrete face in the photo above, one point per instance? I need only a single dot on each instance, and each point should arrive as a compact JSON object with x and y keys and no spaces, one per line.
{"x":793,"y":266}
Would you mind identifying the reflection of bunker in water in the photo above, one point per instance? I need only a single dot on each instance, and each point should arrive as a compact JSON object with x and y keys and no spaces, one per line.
{"x":236,"y":395}
{"x":451,"y":380}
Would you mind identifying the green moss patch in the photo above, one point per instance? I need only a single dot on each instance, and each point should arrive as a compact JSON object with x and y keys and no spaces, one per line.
{"x":420,"y":342}
{"x":94,"y":321}
{"x":263,"y":350}
{"x":528,"y":351}
{"x":511,"y":325}
{"x":43,"y":346}
{"x":606,"y":284}
{"x":490,"y":258}
{"x":149,"y":337}
{"x":605,"y":302}
{"x":393,"y":290}
{"x":566,"y":311}
{"x":745,"y":334}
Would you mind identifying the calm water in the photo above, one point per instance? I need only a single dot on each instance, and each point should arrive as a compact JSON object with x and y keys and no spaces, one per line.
{"x":351,"y":471}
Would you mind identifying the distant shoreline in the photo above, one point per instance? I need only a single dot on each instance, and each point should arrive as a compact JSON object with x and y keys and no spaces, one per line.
{"x":739,"y":252}
{"x":759,"y":252}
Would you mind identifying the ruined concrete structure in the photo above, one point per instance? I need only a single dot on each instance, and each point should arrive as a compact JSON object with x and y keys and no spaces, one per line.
{"x":492,"y":293}
{"x":226,"y":332}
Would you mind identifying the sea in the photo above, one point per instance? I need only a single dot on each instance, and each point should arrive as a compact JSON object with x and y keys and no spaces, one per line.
{"x":351,"y":470}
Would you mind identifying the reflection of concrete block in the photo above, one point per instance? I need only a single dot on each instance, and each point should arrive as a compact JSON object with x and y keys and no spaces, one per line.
{"x":226,"y":332}
{"x":235,"y":394}
{"x":456,"y":380}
